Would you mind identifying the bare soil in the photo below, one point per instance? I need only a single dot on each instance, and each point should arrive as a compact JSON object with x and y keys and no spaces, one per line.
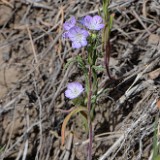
{"x":33,"y":80}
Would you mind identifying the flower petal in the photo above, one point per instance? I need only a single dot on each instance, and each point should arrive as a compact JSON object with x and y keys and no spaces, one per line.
{"x":99,"y":26}
{"x":69,"y":24}
{"x":65,"y":35}
{"x":76,"y":45}
{"x":84,"y":43}
{"x":85,"y":33}
{"x":97,"y":19}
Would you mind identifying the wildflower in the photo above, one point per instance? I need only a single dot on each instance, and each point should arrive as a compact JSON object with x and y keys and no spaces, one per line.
{"x":78,"y":37}
{"x":68,"y":25}
{"x":74,"y":89}
{"x":93,"y":23}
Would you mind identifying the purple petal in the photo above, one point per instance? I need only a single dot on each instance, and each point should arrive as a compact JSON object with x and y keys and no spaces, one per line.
{"x":99,"y":26}
{"x":85,"y":33}
{"x":74,"y":30}
{"x":69,"y":24}
{"x":65,"y":35}
{"x":88,"y":19}
{"x":68,"y":93}
{"x":76,"y":45}
{"x":97,"y":19}
{"x":84,"y":43}
{"x":73,"y":20}
{"x":70,"y":85}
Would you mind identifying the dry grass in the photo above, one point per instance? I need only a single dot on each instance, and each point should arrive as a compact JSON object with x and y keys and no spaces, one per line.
{"x":32,"y":49}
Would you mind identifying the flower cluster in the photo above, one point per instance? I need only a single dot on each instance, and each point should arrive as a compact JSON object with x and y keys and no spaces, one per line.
{"x":77,"y":35}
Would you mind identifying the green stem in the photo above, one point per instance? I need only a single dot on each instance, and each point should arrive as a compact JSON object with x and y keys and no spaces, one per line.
{"x":89,"y":116}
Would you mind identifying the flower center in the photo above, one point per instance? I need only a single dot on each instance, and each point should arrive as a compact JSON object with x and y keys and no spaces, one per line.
{"x":79,"y":37}
{"x":75,"y":91}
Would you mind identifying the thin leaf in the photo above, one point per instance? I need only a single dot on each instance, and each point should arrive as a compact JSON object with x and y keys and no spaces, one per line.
{"x":2,"y":148}
{"x":84,"y":121}
{"x":81,"y":63}
{"x":99,"y":68}
{"x":75,"y":111}
{"x":69,"y":62}
{"x":157,"y":158}
{"x":111,"y":21}
{"x":155,"y":140}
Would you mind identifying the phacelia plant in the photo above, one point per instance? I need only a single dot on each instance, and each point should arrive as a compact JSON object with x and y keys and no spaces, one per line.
{"x":86,"y":33}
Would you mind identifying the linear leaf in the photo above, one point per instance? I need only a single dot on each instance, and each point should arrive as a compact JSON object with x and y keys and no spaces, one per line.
{"x":75,"y":111}
{"x":72,"y":60}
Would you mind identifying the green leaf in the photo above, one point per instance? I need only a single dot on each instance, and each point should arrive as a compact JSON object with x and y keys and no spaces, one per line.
{"x":90,"y":59}
{"x":94,"y":56}
{"x":99,"y":68}
{"x":95,"y":82}
{"x":157,"y":158}
{"x":111,"y":21}
{"x":81,"y":64}
{"x":104,"y":6}
{"x":2,"y":148}
{"x":84,"y":121}
{"x":105,"y":9}
{"x":155,"y":140}
{"x":75,"y":111}
{"x":99,"y":12}
{"x":72,"y":60}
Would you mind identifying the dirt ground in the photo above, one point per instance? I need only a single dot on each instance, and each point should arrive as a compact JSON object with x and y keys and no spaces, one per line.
{"x":33,"y":80}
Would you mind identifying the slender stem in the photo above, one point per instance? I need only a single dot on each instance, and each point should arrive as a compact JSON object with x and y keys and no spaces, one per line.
{"x":89,"y":116}
{"x":106,"y":36}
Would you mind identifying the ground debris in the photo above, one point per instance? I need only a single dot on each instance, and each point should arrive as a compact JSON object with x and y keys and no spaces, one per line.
{"x":33,"y":80}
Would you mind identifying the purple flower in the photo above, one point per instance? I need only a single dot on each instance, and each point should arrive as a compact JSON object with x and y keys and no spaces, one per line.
{"x":74,"y":89}
{"x":78,"y":37}
{"x":93,"y":23}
